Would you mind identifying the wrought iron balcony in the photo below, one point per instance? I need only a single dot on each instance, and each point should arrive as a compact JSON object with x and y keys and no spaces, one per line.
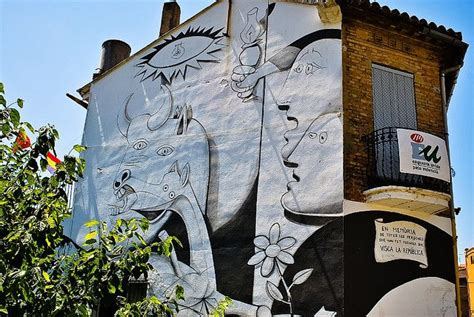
{"x":384,"y":164}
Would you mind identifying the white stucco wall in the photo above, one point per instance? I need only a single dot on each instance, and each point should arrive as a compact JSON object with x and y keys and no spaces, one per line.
{"x":235,"y":127}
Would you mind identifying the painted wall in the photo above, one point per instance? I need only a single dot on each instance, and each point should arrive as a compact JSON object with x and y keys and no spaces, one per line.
{"x":469,"y":253}
{"x":397,"y":264}
{"x":228,"y":134}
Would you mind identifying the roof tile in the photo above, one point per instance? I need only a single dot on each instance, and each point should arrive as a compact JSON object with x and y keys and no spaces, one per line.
{"x":404,"y":16}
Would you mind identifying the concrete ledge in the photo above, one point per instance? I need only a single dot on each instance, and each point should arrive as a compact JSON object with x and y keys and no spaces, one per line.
{"x":409,"y":198}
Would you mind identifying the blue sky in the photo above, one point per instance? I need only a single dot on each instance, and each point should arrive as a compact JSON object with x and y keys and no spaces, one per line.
{"x":50,"y":48}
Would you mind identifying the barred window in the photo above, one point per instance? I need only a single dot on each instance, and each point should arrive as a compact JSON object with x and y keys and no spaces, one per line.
{"x":393,"y":98}
{"x":394,"y":107}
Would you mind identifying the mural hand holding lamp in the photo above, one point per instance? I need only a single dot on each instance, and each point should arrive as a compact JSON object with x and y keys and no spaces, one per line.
{"x":250,"y":56}
{"x":242,"y":82}
{"x":251,"y":36}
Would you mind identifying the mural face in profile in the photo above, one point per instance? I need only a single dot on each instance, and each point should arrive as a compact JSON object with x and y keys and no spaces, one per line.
{"x":312,"y":90}
{"x":314,"y":171}
{"x":280,"y":243}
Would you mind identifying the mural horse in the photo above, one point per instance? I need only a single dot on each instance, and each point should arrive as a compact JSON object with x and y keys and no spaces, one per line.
{"x":151,"y":184}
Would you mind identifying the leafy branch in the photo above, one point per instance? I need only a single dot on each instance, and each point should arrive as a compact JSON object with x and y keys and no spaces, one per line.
{"x":36,"y":277}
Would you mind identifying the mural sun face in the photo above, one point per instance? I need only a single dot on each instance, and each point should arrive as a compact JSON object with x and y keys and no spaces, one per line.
{"x":175,"y":55}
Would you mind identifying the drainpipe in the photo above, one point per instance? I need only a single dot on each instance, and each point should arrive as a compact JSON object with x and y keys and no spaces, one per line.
{"x":444,"y":72}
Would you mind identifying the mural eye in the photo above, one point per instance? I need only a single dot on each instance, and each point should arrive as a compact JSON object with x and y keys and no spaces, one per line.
{"x":312,"y":135}
{"x":323,"y":136}
{"x":179,"y":52}
{"x":140,"y":145}
{"x":165,"y":187}
{"x":165,"y":150}
{"x":299,"y":69}
{"x":311,"y":68}
{"x":171,"y":195}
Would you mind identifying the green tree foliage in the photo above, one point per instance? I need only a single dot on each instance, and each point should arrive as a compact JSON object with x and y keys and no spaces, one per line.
{"x":37,"y":278}
{"x":221,"y":307}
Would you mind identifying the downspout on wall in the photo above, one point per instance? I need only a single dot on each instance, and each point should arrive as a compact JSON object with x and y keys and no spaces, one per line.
{"x":444,"y":72}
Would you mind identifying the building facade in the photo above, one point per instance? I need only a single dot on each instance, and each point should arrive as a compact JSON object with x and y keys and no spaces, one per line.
{"x":296,"y":148}
{"x":469,"y":277}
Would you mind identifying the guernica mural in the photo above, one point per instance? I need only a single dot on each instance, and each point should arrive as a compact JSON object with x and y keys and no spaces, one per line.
{"x":227,"y":133}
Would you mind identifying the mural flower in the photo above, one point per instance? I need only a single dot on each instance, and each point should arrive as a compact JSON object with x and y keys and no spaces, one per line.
{"x":272,"y":251}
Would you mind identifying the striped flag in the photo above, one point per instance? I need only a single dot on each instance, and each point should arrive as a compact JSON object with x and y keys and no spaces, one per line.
{"x":52,"y":162}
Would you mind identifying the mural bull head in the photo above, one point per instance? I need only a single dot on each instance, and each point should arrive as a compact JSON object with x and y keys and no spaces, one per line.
{"x":157,"y":139}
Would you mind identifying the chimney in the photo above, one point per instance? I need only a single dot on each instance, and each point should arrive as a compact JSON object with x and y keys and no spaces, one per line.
{"x":113,"y":52}
{"x":329,"y":11}
{"x":170,"y":16}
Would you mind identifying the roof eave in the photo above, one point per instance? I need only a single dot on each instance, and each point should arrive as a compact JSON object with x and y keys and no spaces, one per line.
{"x":84,"y":91}
{"x":448,"y":37}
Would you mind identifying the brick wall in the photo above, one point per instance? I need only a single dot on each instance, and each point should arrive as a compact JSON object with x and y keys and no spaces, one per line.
{"x":364,"y":44}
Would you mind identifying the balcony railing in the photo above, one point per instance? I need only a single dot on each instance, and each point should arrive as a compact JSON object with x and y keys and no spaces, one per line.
{"x":384,"y":164}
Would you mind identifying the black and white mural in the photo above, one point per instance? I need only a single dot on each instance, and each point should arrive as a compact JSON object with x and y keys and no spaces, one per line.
{"x":228,"y":134}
